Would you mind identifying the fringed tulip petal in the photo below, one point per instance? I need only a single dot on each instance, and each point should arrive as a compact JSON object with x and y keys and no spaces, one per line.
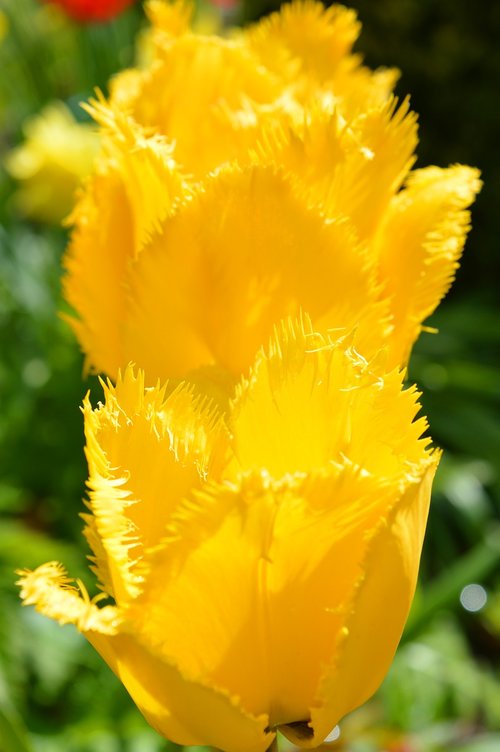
{"x":171,"y":19}
{"x":311,"y":402}
{"x":386,"y":138}
{"x":379,"y":610}
{"x":204,"y":93}
{"x":235,"y":261}
{"x":349,"y":169}
{"x":147,"y":169}
{"x":142,"y":447}
{"x":100,"y":248}
{"x":134,"y":189}
{"x":57,"y":596}
{"x":305,"y":38}
{"x":419,"y":246}
{"x":250,"y":603}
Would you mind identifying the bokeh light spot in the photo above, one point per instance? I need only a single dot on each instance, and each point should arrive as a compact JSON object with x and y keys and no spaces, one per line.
{"x":473,"y":597}
{"x":333,"y":735}
{"x":36,"y":373}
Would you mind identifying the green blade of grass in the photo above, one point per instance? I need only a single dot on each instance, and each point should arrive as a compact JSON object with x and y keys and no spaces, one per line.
{"x":14,"y":737}
{"x":445,"y":590}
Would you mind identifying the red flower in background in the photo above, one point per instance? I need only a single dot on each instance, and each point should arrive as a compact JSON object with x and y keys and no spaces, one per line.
{"x":225,"y":4}
{"x":92,"y":10}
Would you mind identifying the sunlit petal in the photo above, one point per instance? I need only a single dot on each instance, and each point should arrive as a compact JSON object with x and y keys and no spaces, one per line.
{"x":380,"y":607}
{"x":55,"y":595}
{"x":419,"y":246}
{"x":310,"y":401}
{"x":145,"y":451}
{"x":133,"y":190}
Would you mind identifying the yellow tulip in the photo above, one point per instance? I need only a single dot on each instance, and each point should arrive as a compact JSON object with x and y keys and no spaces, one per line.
{"x":51,"y":163}
{"x":210,"y":94}
{"x":261,"y":565}
{"x":249,"y":179}
{"x":230,"y":259}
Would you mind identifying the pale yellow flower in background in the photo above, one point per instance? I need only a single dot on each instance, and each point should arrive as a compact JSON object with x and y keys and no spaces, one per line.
{"x":50,"y":164}
{"x":262,"y":565}
{"x":4,"y":25}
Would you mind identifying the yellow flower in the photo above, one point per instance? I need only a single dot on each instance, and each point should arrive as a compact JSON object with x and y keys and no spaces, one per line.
{"x":56,"y":155}
{"x":235,"y":256}
{"x":210,"y":94}
{"x":262,"y":565}
{"x":249,"y":179}
{"x":310,"y":219}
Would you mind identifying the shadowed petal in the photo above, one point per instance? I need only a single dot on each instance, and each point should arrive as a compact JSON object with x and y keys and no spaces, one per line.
{"x":178,"y":708}
{"x":379,"y":609}
{"x":229,"y":599}
{"x":184,"y":711}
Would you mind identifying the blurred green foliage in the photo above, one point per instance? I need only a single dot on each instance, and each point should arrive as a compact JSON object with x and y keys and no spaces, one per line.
{"x":443,"y":691}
